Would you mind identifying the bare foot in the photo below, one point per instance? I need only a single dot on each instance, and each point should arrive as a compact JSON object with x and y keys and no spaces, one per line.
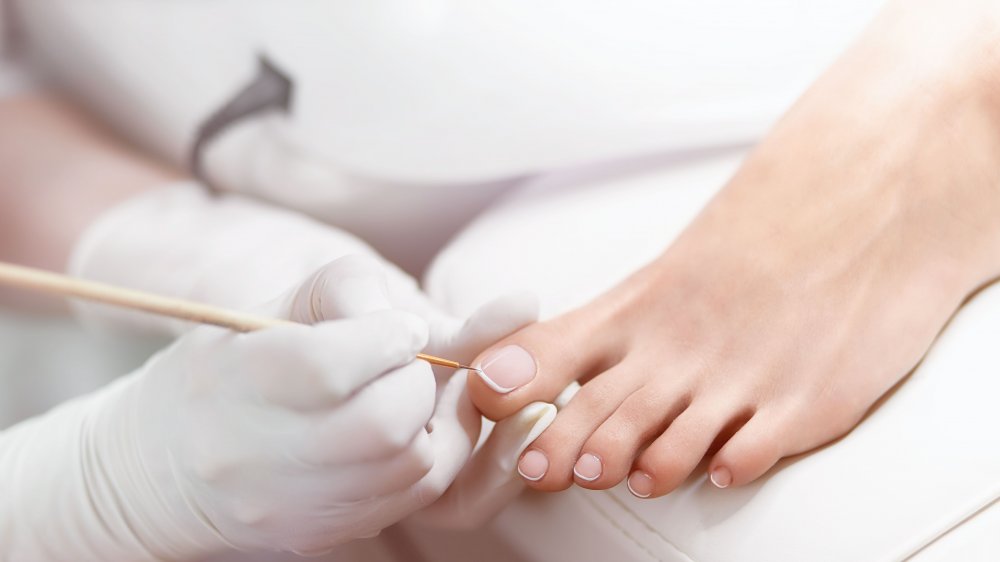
{"x":813,"y":283}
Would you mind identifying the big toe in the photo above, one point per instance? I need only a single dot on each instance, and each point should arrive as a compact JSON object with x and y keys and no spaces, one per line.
{"x":532,"y":365}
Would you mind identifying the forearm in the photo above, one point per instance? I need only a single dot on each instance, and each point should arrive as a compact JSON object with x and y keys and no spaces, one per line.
{"x":58,"y":172}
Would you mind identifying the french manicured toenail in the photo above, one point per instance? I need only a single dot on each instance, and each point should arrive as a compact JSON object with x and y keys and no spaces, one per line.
{"x":721,"y":477}
{"x":588,"y":467}
{"x":507,"y":368}
{"x":533,"y":465}
{"x":640,"y":484}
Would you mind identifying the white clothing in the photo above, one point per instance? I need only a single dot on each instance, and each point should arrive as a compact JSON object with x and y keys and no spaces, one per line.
{"x":450,"y":92}
{"x":408,"y":119}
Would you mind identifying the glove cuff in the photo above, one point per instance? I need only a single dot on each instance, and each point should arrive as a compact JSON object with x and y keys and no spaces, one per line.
{"x":74,"y":487}
{"x":134,"y":488}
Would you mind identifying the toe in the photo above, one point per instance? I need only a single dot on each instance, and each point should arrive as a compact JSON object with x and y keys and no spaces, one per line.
{"x":533,"y":365}
{"x":751,"y":452}
{"x":554,"y":459}
{"x":641,"y":417}
{"x":669,"y":460}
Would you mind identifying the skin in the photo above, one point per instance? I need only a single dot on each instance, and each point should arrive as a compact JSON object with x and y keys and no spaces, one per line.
{"x":813,"y":283}
{"x":59,"y":170}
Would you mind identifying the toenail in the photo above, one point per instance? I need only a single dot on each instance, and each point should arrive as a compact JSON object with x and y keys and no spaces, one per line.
{"x":588,"y":467}
{"x":533,"y":465}
{"x":507,"y":368}
{"x":721,"y":477}
{"x":640,"y":484}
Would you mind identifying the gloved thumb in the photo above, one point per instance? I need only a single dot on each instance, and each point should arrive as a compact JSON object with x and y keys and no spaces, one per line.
{"x":350,"y":286}
{"x":488,"y":324}
{"x":454,"y":429}
{"x":489,"y":481}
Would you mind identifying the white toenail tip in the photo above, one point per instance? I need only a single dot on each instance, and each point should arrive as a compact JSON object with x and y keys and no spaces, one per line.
{"x":634,"y":493}
{"x":711,"y":478}
{"x":526,"y":477}
{"x":584,"y":478}
{"x":489,"y":382}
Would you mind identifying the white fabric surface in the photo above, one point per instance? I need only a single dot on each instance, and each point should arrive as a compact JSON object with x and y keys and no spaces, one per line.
{"x":925,"y":464}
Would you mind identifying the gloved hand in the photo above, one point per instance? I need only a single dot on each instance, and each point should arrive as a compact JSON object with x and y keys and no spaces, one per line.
{"x":475,"y":482}
{"x":234,"y":252}
{"x":293,"y":438}
{"x":180,"y":241}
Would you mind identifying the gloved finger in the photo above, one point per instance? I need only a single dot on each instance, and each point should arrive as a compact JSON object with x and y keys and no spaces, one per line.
{"x":454,"y":431}
{"x":379,"y":421}
{"x":489,"y":481}
{"x":305,"y":367}
{"x":487,"y":325}
{"x":350,"y":286}
{"x":382,"y":477}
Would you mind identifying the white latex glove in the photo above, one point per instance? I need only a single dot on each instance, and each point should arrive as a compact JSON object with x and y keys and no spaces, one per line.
{"x":178,"y":240}
{"x":475,"y":482}
{"x":292,"y":438}
{"x":488,"y":480}
{"x":235,"y":252}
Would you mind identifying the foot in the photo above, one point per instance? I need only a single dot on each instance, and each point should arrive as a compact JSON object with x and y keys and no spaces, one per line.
{"x":811,"y":285}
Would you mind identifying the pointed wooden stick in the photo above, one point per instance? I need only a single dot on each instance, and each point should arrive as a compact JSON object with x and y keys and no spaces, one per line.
{"x":38,"y":280}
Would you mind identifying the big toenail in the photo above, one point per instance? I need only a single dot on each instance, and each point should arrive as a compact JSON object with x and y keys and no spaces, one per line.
{"x":721,"y":477}
{"x":507,"y":368}
{"x":588,"y":467}
{"x":640,"y":484}
{"x":533,"y":465}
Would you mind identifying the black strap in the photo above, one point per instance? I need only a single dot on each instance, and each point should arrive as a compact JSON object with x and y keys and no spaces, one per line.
{"x":270,"y":90}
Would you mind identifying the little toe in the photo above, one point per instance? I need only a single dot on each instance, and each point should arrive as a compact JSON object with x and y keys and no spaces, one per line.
{"x":641,"y":417}
{"x":669,"y":460}
{"x":557,"y":449}
{"x":533,"y":365}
